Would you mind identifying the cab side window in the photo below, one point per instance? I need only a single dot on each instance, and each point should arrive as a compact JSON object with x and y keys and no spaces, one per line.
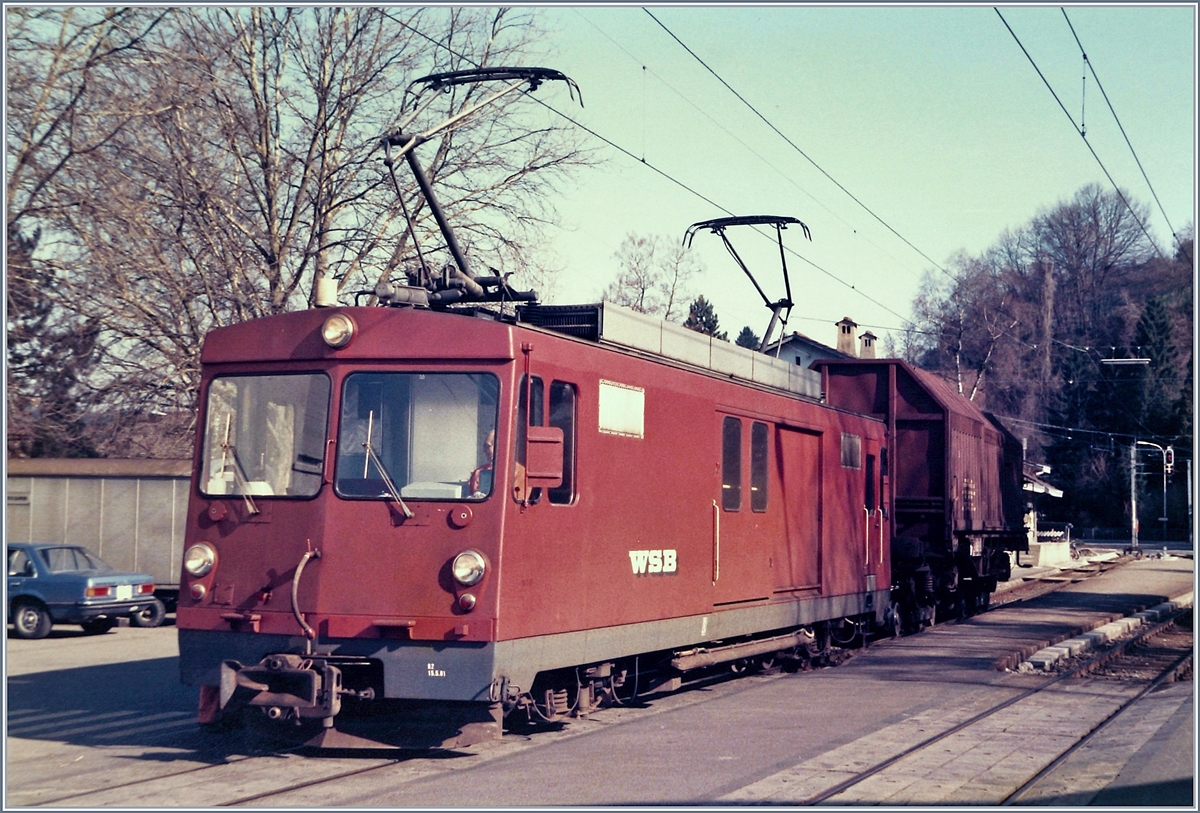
{"x":533,"y":391}
{"x":532,"y":411}
{"x":563,"y":397}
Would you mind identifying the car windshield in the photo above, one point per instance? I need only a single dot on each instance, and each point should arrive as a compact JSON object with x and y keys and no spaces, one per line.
{"x":265,"y":435}
{"x":429,"y":434}
{"x":69,"y":559}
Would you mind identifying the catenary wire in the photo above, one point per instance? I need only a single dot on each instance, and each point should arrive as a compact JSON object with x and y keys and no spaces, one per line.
{"x":794,"y":146}
{"x":1081,"y":134}
{"x":736,"y":138}
{"x":1121,"y":127}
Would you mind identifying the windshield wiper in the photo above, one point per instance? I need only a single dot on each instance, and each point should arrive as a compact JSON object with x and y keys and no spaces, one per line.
{"x":240,"y":482}
{"x":393,"y":492}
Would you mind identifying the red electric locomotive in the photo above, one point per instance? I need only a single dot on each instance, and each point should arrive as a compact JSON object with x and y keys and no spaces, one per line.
{"x":412,"y":519}
{"x":476,"y":516}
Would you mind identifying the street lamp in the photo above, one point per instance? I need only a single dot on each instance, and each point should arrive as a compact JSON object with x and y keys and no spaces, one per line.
{"x":1167,"y":453}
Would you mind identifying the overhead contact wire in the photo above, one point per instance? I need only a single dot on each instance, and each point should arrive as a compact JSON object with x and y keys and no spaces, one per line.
{"x":1117,"y":119}
{"x":672,"y":179}
{"x":735,"y":137}
{"x":794,"y":146}
{"x":1081,"y":134}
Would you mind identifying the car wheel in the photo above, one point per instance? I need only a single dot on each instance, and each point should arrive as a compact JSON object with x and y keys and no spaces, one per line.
{"x":98,"y":626}
{"x":31,"y":621}
{"x":152,"y":616}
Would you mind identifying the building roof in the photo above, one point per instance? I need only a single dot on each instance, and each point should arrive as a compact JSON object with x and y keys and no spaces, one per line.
{"x":799,"y":338}
{"x":96,"y":467}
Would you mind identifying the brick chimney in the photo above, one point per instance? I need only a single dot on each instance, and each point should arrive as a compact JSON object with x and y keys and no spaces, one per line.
{"x":845,"y":341}
{"x":866,"y":349}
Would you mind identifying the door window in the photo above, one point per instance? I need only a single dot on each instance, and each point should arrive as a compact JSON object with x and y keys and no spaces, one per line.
{"x":758,"y":467}
{"x":731,"y":464}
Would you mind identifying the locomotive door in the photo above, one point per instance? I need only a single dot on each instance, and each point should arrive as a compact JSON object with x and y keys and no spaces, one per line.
{"x":797,"y":560}
{"x":741,"y":546}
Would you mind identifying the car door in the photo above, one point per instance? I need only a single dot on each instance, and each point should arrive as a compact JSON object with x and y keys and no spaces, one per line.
{"x":60,"y":585}
{"x":20,"y":573}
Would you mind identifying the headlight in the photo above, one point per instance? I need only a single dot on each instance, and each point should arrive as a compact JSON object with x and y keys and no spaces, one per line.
{"x":199,"y":559}
{"x":338,"y":330}
{"x":468,"y":568}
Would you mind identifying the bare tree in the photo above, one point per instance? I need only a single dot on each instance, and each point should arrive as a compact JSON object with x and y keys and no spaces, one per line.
{"x":255,"y":169}
{"x":963,"y":317}
{"x":60,"y":67}
{"x":654,"y":277}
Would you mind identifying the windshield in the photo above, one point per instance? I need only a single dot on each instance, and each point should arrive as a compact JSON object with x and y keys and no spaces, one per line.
{"x":265,"y":435}
{"x":430,"y":434}
{"x":66,"y":560}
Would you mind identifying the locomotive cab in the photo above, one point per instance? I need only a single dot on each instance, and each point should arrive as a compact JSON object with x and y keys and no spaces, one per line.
{"x":345,"y":495}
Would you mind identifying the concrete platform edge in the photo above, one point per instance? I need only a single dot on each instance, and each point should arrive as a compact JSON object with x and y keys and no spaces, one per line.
{"x":1086,"y":639}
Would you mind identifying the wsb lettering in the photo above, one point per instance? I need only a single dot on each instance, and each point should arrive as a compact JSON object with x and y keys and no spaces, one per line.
{"x":652,"y":561}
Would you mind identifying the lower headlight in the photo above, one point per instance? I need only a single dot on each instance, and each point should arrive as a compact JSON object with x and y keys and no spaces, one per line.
{"x":468,"y":567}
{"x":199,"y":559}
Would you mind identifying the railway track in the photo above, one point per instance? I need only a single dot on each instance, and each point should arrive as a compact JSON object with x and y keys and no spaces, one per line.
{"x":1041,"y":585}
{"x":1130,"y":659}
{"x":266,"y":775}
{"x":1163,"y":654}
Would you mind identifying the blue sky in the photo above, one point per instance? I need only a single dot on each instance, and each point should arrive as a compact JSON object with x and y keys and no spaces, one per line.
{"x":931,"y":116}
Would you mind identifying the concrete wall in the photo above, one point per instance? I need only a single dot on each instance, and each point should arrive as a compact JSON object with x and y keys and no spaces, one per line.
{"x":132,"y":515}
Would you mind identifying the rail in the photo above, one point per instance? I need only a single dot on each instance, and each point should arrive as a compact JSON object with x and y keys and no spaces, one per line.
{"x":1090,"y":663}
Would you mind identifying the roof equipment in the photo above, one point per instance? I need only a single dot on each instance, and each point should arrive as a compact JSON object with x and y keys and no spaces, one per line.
{"x":781,"y":309}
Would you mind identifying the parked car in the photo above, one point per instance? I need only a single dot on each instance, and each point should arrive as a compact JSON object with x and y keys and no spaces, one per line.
{"x":68,"y":584}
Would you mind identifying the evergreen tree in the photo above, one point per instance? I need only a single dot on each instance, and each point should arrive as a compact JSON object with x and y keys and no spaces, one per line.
{"x":1155,"y":338}
{"x":747,"y":338}
{"x":702,"y":318}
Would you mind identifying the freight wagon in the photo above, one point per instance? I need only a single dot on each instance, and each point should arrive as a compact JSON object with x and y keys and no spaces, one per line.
{"x":955,"y":488}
